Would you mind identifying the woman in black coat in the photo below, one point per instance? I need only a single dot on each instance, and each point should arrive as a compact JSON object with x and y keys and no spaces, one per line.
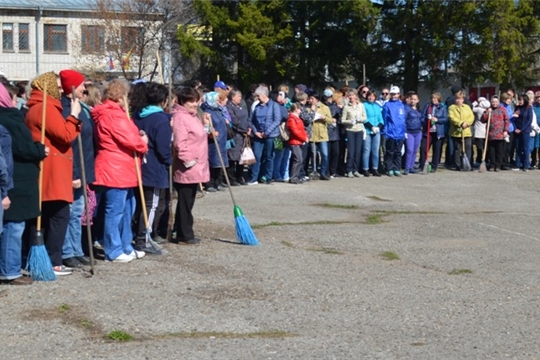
{"x":240,"y":124}
{"x":24,"y":196}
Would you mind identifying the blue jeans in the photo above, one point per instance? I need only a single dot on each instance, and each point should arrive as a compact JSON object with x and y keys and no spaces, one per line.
{"x":281,"y":163}
{"x":412,"y":145}
{"x":322,"y":148}
{"x":355,"y":142}
{"x":118,"y":208}
{"x":11,"y":250}
{"x":372,"y":143}
{"x":264,"y":152}
{"x":72,"y":243}
{"x":523,"y":155}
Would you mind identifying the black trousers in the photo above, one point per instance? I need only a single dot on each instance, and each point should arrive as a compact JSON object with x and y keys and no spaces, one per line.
{"x":457,"y":150}
{"x":479,"y":145}
{"x":54,"y":220}
{"x":184,"y":206}
{"x":437,"y":144}
{"x":235,"y":170}
{"x":392,"y":157}
{"x":333,"y":156}
{"x":496,"y":149}
{"x":296,"y":162}
{"x":215,"y":178}
{"x":509,"y":151}
{"x":155,"y":206}
{"x":306,"y":159}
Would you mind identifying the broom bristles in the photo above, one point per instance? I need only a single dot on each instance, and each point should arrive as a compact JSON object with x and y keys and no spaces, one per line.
{"x":39,"y":264}
{"x":244,"y":233}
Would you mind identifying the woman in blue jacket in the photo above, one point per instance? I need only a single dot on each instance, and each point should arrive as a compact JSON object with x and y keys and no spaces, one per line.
{"x":394,"y":131}
{"x":148,"y":101}
{"x":523,"y":117}
{"x":413,"y":122}
{"x":219,"y":122}
{"x":434,"y":120}
{"x":372,"y":143}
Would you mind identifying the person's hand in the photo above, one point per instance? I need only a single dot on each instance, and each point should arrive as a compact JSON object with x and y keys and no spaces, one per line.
{"x":490,"y":110}
{"x":144,"y":138}
{"x":515,"y":115}
{"x":249,"y":132}
{"x":77,"y":184}
{"x":505,"y":134}
{"x":259,"y":135}
{"x":518,"y":131}
{"x":464,"y":126}
{"x":434,"y":119}
{"x":75,"y":108}
{"x":216,"y":134}
{"x":207,"y":118}
{"x":6,"y":203}
{"x":47,"y":151}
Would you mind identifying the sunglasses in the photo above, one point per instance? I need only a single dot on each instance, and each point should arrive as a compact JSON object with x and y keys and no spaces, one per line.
{"x":364,"y":92}
{"x":385,"y":93}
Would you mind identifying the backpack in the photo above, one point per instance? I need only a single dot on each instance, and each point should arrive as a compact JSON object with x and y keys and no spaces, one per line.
{"x":284,"y":131}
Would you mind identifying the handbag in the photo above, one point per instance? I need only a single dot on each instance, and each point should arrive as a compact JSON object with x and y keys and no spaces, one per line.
{"x":247,"y":157}
{"x":284,"y":131}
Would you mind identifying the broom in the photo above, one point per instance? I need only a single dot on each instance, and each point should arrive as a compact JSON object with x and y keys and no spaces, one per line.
{"x":159,"y":249}
{"x":464,"y":159}
{"x":425,"y":170}
{"x":39,"y":264}
{"x":483,"y":167}
{"x":244,"y":233}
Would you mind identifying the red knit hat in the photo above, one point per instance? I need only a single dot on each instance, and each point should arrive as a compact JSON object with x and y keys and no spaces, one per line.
{"x":69,"y":78}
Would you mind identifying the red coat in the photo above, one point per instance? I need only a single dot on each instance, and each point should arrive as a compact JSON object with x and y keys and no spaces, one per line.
{"x":116,"y":139}
{"x":59,"y":134}
{"x":298,"y":132}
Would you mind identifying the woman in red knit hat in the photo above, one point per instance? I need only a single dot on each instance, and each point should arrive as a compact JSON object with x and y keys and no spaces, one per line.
{"x":58,"y":167}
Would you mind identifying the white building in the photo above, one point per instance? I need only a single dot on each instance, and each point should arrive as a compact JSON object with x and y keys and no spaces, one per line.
{"x":51,"y":35}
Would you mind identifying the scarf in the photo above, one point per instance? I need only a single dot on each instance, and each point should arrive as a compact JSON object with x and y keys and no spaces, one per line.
{"x":5,"y":99}
{"x":48,"y":78}
{"x":211,"y":99}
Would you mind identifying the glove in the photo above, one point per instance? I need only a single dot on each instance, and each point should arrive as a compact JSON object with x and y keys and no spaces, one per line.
{"x":375,"y":130}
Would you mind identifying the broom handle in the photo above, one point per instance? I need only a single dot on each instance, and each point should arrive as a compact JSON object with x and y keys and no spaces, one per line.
{"x":86,"y":203}
{"x":222,"y":163}
{"x":160,"y":68}
{"x":427,"y":144}
{"x":40,"y":181}
{"x":138,"y":171}
{"x":487,"y":136}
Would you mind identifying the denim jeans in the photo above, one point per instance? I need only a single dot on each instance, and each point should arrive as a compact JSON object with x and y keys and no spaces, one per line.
{"x":118,"y":208}
{"x":372,"y":144}
{"x":523,"y":155}
{"x":355,"y":141}
{"x":11,"y":250}
{"x":412,"y":145}
{"x":72,"y":243}
{"x":281,"y":163}
{"x":322,"y":149}
{"x":264,"y":152}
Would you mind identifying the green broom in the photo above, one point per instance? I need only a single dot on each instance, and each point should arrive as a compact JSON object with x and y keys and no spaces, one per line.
{"x":39,"y":264}
{"x":244,"y":233}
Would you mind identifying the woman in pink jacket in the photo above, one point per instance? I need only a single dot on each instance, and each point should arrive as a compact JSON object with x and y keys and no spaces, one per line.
{"x":190,"y":161}
{"x":117,"y":139}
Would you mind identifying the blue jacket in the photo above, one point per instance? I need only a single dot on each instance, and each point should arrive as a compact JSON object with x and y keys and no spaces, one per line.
{"x":6,"y":163}
{"x":218,"y":122}
{"x":441,"y":113}
{"x":510,"y":113}
{"x":87,"y":137}
{"x":333,"y":130}
{"x":374,"y":116}
{"x":266,"y":119}
{"x":413,"y":120}
{"x":394,"y":120}
{"x":524,"y":121}
{"x":156,"y":124}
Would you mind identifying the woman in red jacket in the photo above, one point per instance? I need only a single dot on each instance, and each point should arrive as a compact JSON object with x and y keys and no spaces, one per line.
{"x":117,"y":138}
{"x":297,"y":138}
{"x":58,"y":166}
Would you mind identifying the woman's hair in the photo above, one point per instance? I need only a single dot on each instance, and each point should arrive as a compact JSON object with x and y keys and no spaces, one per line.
{"x":194,"y":84}
{"x":345,"y":90}
{"x":22,"y":88}
{"x":187,"y":94}
{"x":11,"y":89}
{"x":294,"y":107}
{"x":116,"y":90}
{"x":370,"y":92}
{"x":460,"y":95}
{"x":94,"y":95}
{"x":337,"y":96}
{"x":525,"y":99}
{"x":223,"y":94}
{"x":273,"y":95}
{"x":233,"y":93}
{"x":147,"y":93}
{"x":505,"y":97}
{"x":437,"y":95}
{"x":352,"y":91}
{"x":261,"y":90}
{"x":283,"y":88}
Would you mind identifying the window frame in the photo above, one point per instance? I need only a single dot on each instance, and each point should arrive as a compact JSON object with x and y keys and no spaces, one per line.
{"x":91,"y":35}
{"x":128,"y":33}
{"x":48,"y":36}
{"x":24,"y":32}
{"x":12,"y":50}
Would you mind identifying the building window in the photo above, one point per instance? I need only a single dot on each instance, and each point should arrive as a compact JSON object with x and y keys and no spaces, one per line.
{"x":24,"y":37}
{"x":7,"y":37}
{"x":55,"y":38}
{"x":93,"y":39}
{"x":131,"y":39}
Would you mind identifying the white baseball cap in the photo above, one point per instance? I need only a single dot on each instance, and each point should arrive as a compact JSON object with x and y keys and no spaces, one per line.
{"x":394,"y":90}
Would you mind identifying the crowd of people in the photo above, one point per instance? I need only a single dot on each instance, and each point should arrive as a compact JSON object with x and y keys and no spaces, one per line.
{"x":122,"y":136}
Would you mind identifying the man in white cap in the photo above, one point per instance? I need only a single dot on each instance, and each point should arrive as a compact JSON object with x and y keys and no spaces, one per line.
{"x":394,"y":132}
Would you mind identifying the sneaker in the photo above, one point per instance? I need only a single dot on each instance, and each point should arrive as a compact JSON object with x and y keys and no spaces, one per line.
{"x":194,"y":241}
{"x":159,"y":240}
{"x":356,"y":174}
{"x":406,"y":172}
{"x":350,"y":175}
{"x":85,"y":260}
{"x":148,"y":250}
{"x":211,"y":189}
{"x":413,"y":171}
{"x":253,"y":183}
{"x":97,"y":245}
{"x":375,"y":173}
{"x":62,"y":270}
{"x":332,"y":176}
{"x":306,"y":178}
{"x":322,"y":177}
{"x":391,"y":173}
{"x":397,"y":173}
{"x":241,"y":181}
{"x":72,"y":262}
{"x":123,"y":258}
{"x":21,"y":280}
{"x":366,"y":173}
{"x":220,"y":188}
{"x":294,"y":181}
{"x":136,"y":254}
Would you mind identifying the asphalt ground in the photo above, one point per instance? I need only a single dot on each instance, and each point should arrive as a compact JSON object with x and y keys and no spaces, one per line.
{"x":459,"y":279}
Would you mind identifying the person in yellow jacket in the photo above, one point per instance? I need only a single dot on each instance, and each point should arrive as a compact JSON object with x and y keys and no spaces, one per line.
{"x":319,"y":131}
{"x":461,"y":119}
